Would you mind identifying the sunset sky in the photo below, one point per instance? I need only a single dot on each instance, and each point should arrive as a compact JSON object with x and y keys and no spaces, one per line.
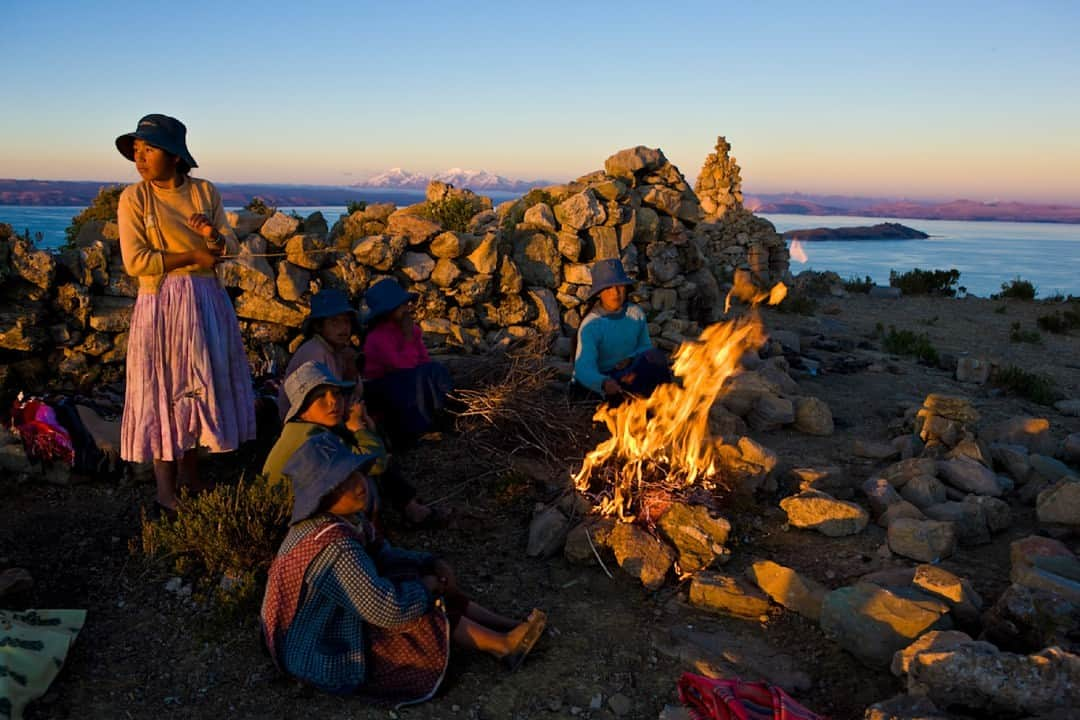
{"x":917,"y":99}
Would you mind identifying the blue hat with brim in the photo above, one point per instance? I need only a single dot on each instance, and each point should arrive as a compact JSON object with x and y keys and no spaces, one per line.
{"x":317,"y":468}
{"x":385,"y":297}
{"x":308,"y":377}
{"x":608,"y":273}
{"x":328,"y":303}
{"x":161,"y":131}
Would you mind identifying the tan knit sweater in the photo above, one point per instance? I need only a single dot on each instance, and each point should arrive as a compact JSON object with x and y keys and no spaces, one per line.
{"x":153,"y":221}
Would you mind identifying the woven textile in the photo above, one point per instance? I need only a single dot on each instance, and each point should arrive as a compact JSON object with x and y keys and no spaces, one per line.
{"x":712,"y":699}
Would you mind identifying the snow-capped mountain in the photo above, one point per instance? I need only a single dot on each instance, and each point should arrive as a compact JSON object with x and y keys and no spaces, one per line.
{"x":475,"y":180}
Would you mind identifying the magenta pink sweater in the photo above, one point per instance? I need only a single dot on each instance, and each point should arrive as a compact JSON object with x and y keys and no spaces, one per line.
{"x":386,"y":349}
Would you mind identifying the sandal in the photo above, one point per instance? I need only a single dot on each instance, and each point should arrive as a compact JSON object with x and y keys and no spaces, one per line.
{"x":537,"y":621}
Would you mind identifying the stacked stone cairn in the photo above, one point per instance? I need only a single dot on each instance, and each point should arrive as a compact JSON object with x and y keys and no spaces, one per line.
{"x":504,"y":273}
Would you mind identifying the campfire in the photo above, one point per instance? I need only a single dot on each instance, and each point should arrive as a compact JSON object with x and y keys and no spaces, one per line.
{"x":663,"y":442}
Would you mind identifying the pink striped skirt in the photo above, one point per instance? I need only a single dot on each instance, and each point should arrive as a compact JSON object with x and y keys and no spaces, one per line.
{"x":188,"y":378}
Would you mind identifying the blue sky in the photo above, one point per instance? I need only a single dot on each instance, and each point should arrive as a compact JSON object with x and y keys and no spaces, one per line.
{"x":916,"y":99}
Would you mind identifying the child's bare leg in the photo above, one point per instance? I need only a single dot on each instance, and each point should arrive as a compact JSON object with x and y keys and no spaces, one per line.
{"x":479,"y":613}
{"x":473,"y":635}
{"x":165,"y":479}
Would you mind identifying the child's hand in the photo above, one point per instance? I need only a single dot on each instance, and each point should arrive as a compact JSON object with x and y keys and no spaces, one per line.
{"x":611,"y":387}
{"x":202,"y":225}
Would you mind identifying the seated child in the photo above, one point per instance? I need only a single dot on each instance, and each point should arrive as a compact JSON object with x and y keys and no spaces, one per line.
{"x":317,"y":401}
{"x":405,"y":388}
{"x":614,"y":351}
{"x":349,"y":613}
{"x":329,"y":328}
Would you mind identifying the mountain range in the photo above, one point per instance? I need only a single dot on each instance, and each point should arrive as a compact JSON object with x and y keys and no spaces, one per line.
{"x":475,"y":180}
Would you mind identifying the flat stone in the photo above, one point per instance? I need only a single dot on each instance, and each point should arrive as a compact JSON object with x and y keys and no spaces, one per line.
{"x":541,"y":216}
{"x":698,"y":537}
{"x":1031,"y":432}
{"x":900,"y":473}
{"x":727,"y":595}
{"x":964,"y":603}
{"x":1012,"y":458}
{"x":951,"y":407}
{"x":484,"y":258}
{"x":1059,"y":504}
{"x":771,"y":413}
{"x":873,"y":623}
{"x":874,"y":450}
{"x":1050,"y":469}
{"x":581,"y":211}
{"x":417,"y":266}
{"x":307,"y":250}
{"x":547,"y":533}
{"x":413,"y":228}
{"x":934,"y":641}
{"x":902,"y":509}
{"x":922,"y":540}
{"x":829,"y":479}
{"x":996,"y":512}
{"x":1045,"y":564}
{"x":904,"y":707}
{"x":788,"y":588}
{"x":968,"y":519}
{"x":923,"y":491}
{"x":965,"y":474}
{"x":813,"y":510}
{"x":641,"y":555}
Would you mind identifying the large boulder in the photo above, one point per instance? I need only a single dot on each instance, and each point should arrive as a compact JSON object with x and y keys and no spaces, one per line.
{"x":788,"y":588}
{"x":538,"y":259}
{"x":633,"y":161}
{"x":970,"y":476}
{"x":922,"y":540}
{"x":814,"y":510}
{"x":727,"y":595}
{"x":641,"y":555}
{"x":412,"y":227}
{"x":581,"y":211}
{"x":1025,"y":620}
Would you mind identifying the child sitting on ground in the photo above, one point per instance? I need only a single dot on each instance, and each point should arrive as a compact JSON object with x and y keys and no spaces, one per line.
{"x":614,"y":352}
{"x":348,"y":613}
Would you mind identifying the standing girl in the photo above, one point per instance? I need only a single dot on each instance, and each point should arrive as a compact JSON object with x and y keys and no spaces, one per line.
{"x":188,"y":379}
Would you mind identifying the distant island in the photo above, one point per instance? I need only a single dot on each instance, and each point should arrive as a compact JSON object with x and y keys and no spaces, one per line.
{"x":881,"y":231}
{"x":998,"y":211}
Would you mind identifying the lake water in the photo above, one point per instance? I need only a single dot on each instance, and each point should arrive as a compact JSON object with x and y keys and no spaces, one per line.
{"x":987,"y":254}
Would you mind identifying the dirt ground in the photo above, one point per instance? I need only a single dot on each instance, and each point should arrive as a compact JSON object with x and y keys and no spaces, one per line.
{"x":146,"y":653}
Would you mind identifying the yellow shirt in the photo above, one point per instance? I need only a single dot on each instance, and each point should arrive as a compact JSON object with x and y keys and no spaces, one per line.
{"x":153,"y":221}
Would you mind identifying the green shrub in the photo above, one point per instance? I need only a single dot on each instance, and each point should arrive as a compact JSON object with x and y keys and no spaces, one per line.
{"x":906,"y":342}
{"x":1059,"y":322}
{"x":855,"y":285}
{"x":1016,"y":288}
{"x":797,"y":304}
{"x":517,"y":210}
{"x":926,"y":282}
{"x":452,"y":212}
{"x":259,"y":207}
{"x":1033,"y":386}
{"x":232,"y":531}
{"x":355,"y":206}
{"x":103,"y":207}
{"x":1018,"y":335}
{"x":1001,"y":309}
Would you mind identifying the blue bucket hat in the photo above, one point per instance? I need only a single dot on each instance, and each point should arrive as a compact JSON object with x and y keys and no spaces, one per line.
{"x":161,"y":131}
{"x":385,"y":297}
{"x":328,"y":303}
{"x":306,"y":378}
{"x":317,"y":468}
{"x":607,"y":273}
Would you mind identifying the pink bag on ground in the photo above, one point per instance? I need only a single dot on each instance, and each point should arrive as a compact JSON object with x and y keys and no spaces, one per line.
{"x":712,"y":699}
{"x":42,"y":434}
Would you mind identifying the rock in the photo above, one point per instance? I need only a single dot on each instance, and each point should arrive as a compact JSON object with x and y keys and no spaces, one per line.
{"x":923,"y":491}
{"x":547,"y":308}
{"x":278,"y":227}
{"x":829,"y":479}
{"x":698,"y":537}
{"x":950,"y":407}
{"x":378,"y":251}
{"x":417,"y":266}
{"x":485,"y":258}
{"x":727,"y":595}
{"x":254,"y":307}
{"x":473,"y":290}
{"x":979,"y":677}
{"x":292,"y":281}
{"x":968,"y":519}
{"x":578,"y":549}
{"x":813,"y":416}
{"x":885,"y":292}
{"x":771,"y":413}
{"x":1070,"y":448}
{"x":633,"y":161}
{"x":972,"y":450}
{"x":413,"y":228}
{"x":577,"y":273}
{"x":570,"y":245}
{"x":873,"y":623}
{"x":619,"y":703}
{"x":922,"y":540}
{"x":510,"y":281}
{"x":540,"y":215}
{"x":605,"y":243}
{"x":973,"y":370}
{"x":244,"y":222}
{"x":900,"y":473}
{"x":641,"y":555}
{"x":955,"y":591}
{"x":997,"y":513}
{"x":1068,"y":407}
{"x":445,"y":273}
{"x":1060,"y":504}
{"x":880,"y":494}
{"x":1026,"y":620}
{"x":874,"y":450}
{"x":538,"y":260}
{"x":965,"y":474}
{"x":1050,"y":469}
{"x":1044,"y":564}
{"x":902,"y":509}
{"x":14,"y":581}
{"x":581,"y":211}
{"x":308,"y":251}
{"x":547,"y":533}
{"x":449,"y":245}
{"x":111,"y":314}
{"x":1031,"y":432}
{"x":813,"y":510}
{"x":1013,"y":458}
{"x":35,"y":266}
{"x":904,"y":707}
{"x":934,"y":641}
{"x":250,"y":273}
{"x":788,"y":588}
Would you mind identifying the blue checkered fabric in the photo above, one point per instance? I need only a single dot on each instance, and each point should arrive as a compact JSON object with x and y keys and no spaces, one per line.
{"x":342,"y":592}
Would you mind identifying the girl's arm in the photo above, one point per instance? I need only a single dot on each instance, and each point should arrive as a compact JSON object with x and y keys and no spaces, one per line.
{"x":139,"y":254}
{"x":644,"y":342}
{"x":352,"y":580}
{"x":586,"y":362}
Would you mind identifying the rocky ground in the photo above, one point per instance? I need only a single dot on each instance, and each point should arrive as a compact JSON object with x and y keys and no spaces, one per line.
{"x":614,"y":649}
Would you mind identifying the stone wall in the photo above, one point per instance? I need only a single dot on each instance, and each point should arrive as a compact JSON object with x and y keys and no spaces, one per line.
{"x":503,"y":273}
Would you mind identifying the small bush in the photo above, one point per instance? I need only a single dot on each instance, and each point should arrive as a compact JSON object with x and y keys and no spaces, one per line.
{"x":517,"y":210}
{"x":1018,"y":335}
{"x":453,"y":212}
{"x":1017,"y":289}
{"x":926,"y":282}
{"x":1054,"y":299}
{"x":103,"y":207}
{"x":855,"y":285}
{"x":797,"y":305}
{"x":1001,"y":309}
{"x":355,"y":206}
{"x":259,"y":207}
{"x":906,"y":342}
{"x":1033,"y":386}
{"x":232,"y":531}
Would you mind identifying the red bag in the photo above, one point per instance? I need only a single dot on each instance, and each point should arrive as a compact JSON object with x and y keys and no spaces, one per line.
{"x":42,"y":434}
{"x":712,"y":699}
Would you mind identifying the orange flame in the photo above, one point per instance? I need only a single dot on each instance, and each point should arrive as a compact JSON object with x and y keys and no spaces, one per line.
{"x":668,"y":432}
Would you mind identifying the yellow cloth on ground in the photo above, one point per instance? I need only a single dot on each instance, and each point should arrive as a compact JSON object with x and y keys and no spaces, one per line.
{"x":33,"y":646}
